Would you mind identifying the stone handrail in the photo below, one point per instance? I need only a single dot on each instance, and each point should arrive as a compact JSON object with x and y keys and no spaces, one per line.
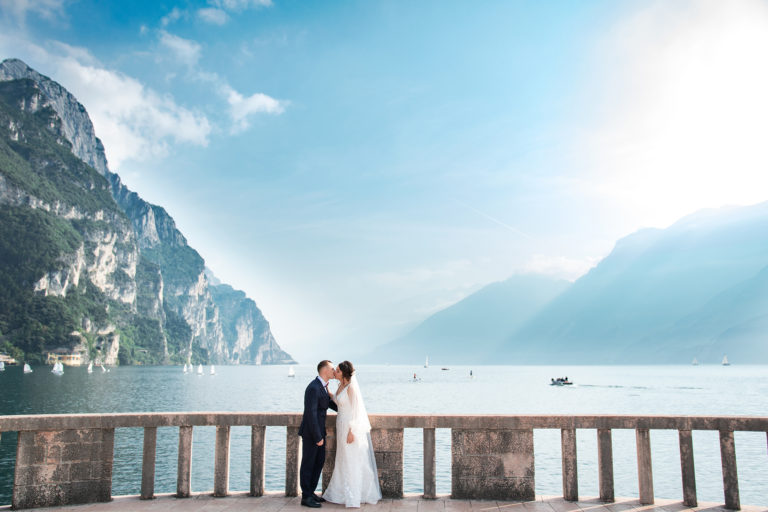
{"x":65,"y":459}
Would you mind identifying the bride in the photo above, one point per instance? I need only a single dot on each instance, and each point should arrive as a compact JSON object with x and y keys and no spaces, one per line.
{"x":354,"y":479}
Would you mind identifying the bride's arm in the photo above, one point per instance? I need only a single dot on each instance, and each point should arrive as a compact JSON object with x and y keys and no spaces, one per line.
{"x":351,"y":396}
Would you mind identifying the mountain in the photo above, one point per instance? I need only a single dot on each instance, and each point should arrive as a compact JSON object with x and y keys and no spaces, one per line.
{"x":733,"y":322}
{"x":470,"y":330}
{"x":695,"y":289}
{"x":86,"y":264}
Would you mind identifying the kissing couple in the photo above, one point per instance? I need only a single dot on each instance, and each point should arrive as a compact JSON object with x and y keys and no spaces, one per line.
{"x":355,"y":479}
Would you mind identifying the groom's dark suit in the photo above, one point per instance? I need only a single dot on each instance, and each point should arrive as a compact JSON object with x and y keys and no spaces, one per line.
{"x":312,"y":430}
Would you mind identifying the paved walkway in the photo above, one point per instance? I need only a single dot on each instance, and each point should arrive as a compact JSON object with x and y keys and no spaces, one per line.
{"x":277,"y":502}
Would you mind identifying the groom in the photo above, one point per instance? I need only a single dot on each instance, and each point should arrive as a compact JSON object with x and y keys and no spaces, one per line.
{"x":312,"y":432}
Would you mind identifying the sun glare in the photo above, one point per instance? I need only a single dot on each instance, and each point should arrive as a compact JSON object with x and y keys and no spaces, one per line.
{"x":687,"y":116}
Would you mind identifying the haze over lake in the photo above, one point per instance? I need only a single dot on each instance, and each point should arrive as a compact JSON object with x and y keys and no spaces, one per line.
{"x":699,"y":390}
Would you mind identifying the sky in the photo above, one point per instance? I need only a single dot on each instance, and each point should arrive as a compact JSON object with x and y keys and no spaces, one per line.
{"x":357,"y":165}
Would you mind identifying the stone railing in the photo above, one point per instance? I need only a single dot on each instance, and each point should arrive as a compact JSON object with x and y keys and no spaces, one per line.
{"x":67,"y":459}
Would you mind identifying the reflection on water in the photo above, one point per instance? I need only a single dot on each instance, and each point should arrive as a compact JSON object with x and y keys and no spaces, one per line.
{"x":713,"y":390}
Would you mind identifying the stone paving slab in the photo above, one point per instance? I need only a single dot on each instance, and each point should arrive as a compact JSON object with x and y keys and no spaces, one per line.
{"x":278,"y":502}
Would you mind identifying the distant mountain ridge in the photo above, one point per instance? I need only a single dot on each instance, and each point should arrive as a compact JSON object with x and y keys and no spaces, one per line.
{"x":466,"y":331}
{"x":126,"y":285}
{"x":697,"y":289}
{"x":661,"y":296}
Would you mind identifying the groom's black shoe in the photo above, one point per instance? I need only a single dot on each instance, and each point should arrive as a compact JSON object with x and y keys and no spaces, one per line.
{"x":318,"y":499}
{"x":310,"y":502}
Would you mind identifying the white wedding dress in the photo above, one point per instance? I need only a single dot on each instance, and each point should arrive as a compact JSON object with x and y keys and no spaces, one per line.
{"x":354,"y":479}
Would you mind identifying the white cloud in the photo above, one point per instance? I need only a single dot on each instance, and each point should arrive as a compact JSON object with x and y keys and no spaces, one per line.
{"x":682,"y":125}
{"x":216,"y":14}
{"x":19,"y":9}
{"x":174,"y":15}
{"x":240,"y":5}
{"x":559,"y":266}
{"x":242,"y":107}
{"x":186,"y":51}
{"x":213,"y":15}
{"x":134,"y":122}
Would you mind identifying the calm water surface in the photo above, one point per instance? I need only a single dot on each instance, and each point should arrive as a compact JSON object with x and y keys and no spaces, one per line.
{"x":708,"y":390}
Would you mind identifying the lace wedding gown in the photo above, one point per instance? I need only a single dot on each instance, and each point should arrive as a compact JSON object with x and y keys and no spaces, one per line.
{"x":355,"y":479}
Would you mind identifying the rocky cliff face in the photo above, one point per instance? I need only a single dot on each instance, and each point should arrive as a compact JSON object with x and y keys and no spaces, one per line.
{"x":131,"y":252}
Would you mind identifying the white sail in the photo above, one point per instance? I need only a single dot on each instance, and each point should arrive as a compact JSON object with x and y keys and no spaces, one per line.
{"x":725,"y":361}
{"x":426,"y":362}
{"x":291,"y":372}
{"x":695,"y":362}
{"x":58,"y":368}
{"x":90,"y":367}
{"x":2,"y":366}
{"x":27,"y":368}
{"x":213,"y":370}
{"x":185,"y":367}
{"x":200,"y":369}
{"x":103,"y":370}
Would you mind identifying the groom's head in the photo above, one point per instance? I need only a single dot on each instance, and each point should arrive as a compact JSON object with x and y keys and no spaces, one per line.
{"x":325,"y":370}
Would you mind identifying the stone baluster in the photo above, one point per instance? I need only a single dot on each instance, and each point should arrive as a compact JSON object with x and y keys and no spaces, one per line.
{"x":148,"y":463}
{"x":570,"y":475}
{"x":687,"y":468}
{"x":430,"y":486}
{"x":730,"y":476}
{"x":221,"y":462}
{"x":292,"y":461}
{"x":605,"y":464}
{"x":258,"y":433}
{"x":644,"y":467}
{"x":184,"y":467}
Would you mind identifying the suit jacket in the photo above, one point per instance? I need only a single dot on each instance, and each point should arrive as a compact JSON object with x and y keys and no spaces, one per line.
{"x":316,"y":404}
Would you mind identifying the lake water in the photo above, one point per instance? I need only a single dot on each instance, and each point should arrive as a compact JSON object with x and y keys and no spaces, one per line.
{"x":700,"y":390}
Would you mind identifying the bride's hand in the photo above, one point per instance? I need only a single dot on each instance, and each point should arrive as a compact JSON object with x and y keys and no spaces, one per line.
{"x":350,"y":437}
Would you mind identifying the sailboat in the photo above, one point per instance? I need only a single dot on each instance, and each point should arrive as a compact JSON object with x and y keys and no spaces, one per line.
{"x":200,"y":369}
{"x":90,"y":367}
{"x":58,"y":368}
{"x":725,"y":361}
{"x":27,"y":368}
{"x":2,"y":366}
{"x":695,"y":362}
{"x":103,"y":370}
{"x":426,"y":362}
{"x":213,"y":370}
{"x":291,"y":372}
{"x":185,"y":368}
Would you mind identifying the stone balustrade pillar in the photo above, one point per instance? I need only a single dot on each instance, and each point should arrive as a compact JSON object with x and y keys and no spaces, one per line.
{"x":64,"y":467}
{"x":730,"y":476}
{"x":570,"y":473}
{"x":148,"y":463}
{"x":687,"y":469}
{"x":644,"y":467}
{"x":292,"y":461}
{"x":258,"y":433}
{"x":430,"y":485}
{"x":184,"y":464}
{"x":221,"y":462}
{"x":605,"y":464}
{"x":492,"y":464}
{"x":388,"y":448}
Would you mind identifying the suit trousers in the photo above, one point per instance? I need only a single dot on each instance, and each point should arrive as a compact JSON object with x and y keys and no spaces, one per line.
{"x":312,"y":460}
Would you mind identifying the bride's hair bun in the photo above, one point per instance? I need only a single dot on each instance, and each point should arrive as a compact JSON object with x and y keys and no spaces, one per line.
{"x":346,"y":369}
